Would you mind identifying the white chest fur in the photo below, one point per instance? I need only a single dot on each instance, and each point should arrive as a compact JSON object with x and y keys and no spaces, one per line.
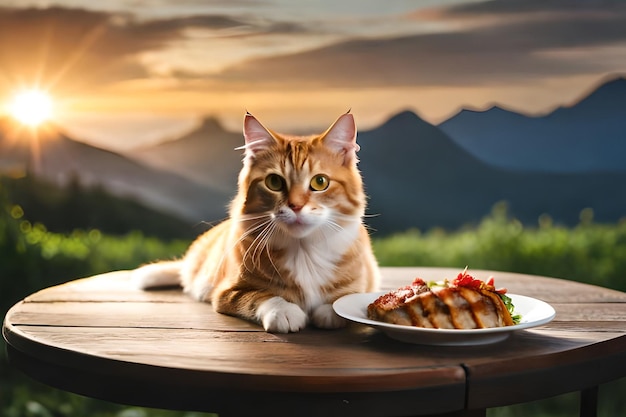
{"x":312,"y":260}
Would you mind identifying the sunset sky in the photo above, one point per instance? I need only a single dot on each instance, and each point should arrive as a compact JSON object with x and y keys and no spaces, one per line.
{"x":123,"y":72}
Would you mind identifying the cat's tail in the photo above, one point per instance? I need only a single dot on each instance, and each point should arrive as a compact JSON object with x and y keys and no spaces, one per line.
{"x":159,"y":274}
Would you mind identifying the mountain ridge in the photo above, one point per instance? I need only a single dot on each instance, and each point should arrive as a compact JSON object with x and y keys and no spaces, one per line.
{"x":449,"y":187}
{"x":585,"y":136}
{"x":61,"y":158}
{"x":416,"y":174}
{"x":206,"y":154}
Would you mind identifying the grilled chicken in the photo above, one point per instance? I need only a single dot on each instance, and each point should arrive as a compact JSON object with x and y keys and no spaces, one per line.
{"x":464,"y":303}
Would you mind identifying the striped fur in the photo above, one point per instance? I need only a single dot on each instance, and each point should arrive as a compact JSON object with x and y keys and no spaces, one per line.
{"x":287,"y":250}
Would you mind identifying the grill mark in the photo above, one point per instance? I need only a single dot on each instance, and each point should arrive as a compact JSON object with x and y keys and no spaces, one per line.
{"x":418,"y":312}
{"x":460,"y":310}
{"x":457,"y":307}
{"x":482,"y":307}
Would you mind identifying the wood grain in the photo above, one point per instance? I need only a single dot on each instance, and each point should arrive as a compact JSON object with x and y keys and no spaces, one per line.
{"x":100,"y":337}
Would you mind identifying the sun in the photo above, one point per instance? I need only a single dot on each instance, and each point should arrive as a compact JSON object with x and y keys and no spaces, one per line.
{"x":31,"y":107}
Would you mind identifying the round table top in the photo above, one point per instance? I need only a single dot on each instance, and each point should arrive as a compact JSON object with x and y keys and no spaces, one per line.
{"x":100,"y":337}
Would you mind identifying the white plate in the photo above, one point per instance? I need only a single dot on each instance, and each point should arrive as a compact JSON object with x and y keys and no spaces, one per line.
{"x":534,"y":313}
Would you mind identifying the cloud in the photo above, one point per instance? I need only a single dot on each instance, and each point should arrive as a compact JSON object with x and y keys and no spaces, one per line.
{"x":71,"y":49}
{"x":501,"y":7}
{"x":174,"y":26}
{"x":487,"y":43}
{"x":63,"y":47}
{"x":479,"y":43}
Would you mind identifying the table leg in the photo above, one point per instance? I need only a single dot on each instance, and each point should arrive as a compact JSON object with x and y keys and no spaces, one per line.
{"x":589,"y":402}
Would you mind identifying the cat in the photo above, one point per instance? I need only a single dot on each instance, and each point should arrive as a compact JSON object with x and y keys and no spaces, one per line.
{"x":295,"y":240}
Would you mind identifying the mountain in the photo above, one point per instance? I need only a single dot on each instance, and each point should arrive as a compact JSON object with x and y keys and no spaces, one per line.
{"x":417,"y":176}
{"x":588,"y":136}
{"x":206,"y":155}
{"x":54,"y":156}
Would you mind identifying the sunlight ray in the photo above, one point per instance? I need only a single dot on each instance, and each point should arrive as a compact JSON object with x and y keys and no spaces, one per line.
{"x":83,"y":46}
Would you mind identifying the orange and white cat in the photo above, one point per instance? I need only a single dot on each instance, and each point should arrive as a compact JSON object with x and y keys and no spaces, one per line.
{"x":295,"y":239}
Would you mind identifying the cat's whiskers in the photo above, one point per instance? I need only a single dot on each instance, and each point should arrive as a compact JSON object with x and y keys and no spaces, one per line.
{"x":331,"y":224}
{"x":349,"y":218}
{"x":210,"y":223}
{"x":270,"y":234}
{"x":340,"y":220}
{"x":266,"y":236}
{"x":248,"y":230}
{"x":261,"y":241}
{"x":249,"y":217}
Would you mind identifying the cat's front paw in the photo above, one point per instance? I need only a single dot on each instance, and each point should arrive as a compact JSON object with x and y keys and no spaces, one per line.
{"x":325,"y":317}
{"x":280,"y":316}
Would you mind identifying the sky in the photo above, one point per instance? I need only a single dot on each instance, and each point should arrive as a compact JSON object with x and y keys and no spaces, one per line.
{"x":127,"y":72}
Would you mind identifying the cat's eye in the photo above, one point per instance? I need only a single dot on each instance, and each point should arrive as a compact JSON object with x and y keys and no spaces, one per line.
{"x":320,"y":182}
{"x":275,"y":182}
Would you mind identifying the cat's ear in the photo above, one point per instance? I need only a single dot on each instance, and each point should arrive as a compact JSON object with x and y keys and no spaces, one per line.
{"x":257,"y":137}
{"x":341,"y":137}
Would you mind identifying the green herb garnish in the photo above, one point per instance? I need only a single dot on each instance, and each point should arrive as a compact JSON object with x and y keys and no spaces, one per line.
{"x":511,"y":308}
{"x":442,"y":284}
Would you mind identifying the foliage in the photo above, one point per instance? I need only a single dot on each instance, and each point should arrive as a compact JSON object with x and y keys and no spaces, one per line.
{"x":591,"y":253}
{"x":65,"y":208}
{"x":32,"y":257}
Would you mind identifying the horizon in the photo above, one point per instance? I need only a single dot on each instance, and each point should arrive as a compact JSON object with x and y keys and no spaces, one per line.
{"x":123,"y":74}
{"x":52,"y":127}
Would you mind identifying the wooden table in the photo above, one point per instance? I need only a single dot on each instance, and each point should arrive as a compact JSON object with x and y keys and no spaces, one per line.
{"x":100,"y":338}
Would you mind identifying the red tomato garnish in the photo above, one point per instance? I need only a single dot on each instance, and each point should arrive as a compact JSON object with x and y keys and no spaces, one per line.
{"x":418,"y":281}
{"x":466,"y":280}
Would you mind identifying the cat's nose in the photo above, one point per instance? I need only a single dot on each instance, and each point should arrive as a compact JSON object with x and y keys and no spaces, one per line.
{"x":295,"y":207}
